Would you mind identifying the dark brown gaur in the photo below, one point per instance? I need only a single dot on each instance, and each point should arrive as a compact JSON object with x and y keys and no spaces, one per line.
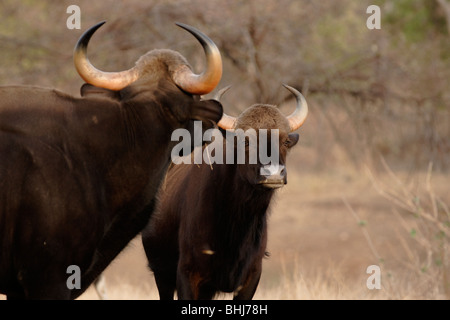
{"x":209,"y":231}
{"x":79,"y":175}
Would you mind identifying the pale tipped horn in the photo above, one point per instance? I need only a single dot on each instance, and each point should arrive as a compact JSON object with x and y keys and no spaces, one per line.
{"x":90,"y":74}
{"x":298,"y":117}
{"x":205,"y":82}
{"x":226,"y":122}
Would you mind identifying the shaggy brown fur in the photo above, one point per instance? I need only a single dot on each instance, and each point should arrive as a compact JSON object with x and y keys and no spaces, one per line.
{"x":262,"y":116}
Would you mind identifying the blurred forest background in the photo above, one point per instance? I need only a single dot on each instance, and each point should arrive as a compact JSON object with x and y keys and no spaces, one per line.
{"x":381,"y":92}
{"x":379,"y":99}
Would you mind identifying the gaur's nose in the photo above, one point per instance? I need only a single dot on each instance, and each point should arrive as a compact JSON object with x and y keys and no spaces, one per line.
{"x":273,"y":175}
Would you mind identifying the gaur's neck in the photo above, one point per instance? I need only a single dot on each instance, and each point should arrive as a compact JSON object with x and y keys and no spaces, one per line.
{"x":242,"y":195}
{"x":128,"y":171}
{"x":241,"y":209}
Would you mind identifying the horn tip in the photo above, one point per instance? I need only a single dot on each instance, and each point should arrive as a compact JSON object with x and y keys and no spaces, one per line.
{"x":183,"y":25}
{"x":225,"y":89}
{"x":98,"y":25}
{"x":289,"y":87}
{"x":293,"y":90}
{"x":84,"y":39}
{"x":221,"y":92}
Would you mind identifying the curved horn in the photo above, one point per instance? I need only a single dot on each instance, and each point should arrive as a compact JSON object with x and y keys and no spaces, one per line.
{"x":226,"y":122}
{"x":90,"y":74}
{"x":209,"y":79}
{"x":298,"y":117}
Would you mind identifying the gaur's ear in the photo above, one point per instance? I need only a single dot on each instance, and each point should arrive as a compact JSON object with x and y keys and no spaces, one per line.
{"x":207,"y":110}
{"x":292,"y":140}
{"x":88,"y":90}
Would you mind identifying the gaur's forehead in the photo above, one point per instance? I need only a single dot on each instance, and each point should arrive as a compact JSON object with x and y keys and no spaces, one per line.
{"x":262,"y":116}
{"x":160,"y":61}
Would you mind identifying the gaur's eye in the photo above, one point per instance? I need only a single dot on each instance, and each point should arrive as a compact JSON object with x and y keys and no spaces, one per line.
{"x":287,"y":143}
